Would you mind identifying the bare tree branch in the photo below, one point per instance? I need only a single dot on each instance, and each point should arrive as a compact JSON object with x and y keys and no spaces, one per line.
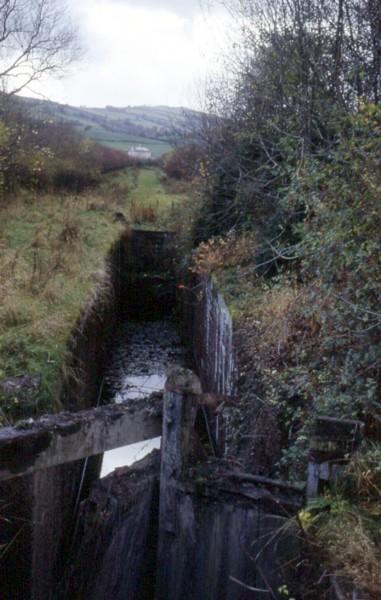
{"x":36,"y":37}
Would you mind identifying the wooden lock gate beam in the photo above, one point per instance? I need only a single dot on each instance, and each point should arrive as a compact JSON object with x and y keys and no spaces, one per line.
{"x":53,"y":440}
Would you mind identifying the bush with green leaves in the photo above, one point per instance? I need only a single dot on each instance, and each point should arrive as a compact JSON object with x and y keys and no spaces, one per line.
{"x":341,"y":256}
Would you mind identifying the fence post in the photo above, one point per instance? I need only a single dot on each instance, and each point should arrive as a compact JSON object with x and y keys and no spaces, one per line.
{"x":332,"y":443}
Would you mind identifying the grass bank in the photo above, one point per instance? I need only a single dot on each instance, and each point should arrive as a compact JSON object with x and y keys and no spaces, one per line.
{"x":52,"y":250}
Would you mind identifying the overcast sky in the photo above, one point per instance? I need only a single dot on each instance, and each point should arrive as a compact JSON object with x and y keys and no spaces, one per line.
{"x":142,"y":52}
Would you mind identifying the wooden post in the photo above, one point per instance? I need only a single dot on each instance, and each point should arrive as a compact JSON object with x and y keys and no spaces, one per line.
{"x":332,"y":443}
{"x":179,"y":414}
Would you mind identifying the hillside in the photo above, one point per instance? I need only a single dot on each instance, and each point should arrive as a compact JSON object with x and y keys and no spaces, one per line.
{"x":156,"y":127}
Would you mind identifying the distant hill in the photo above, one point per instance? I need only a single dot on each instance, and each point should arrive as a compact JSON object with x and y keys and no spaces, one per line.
{"x":156,"y":127}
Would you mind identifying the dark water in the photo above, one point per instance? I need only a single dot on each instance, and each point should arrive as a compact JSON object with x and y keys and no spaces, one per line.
{"x":144,"y":351}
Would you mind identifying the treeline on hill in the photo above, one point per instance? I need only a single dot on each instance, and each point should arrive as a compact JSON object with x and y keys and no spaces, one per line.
{"x":49,"y":155}
{"x":290,"y":183}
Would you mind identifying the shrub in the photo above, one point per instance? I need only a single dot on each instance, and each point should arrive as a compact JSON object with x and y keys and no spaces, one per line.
{"x":341,"y":247}
{"x":44,"y":155}
{"x":111,"y":159}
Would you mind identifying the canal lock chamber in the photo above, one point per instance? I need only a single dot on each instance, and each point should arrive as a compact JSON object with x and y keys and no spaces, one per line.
{"x":116,"y":531}
{"x":147,"y":342}
{"x":113,"y":553}
{"x":99,"y":538}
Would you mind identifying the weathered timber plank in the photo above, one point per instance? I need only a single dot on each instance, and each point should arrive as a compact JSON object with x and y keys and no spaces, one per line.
{"x":179,"y":415}
{"x":65,"y":437}
{"x":210,"y":517}
{"x":114,"y":555}
{"x":334,"y":438}
{"x":215,"y":483}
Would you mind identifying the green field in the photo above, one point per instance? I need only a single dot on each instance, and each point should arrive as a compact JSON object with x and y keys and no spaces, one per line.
{"x":119,"y":128}
{"x":118,"y":140}
{"x":123,"y":141}
{"x":150,"y":190}
{"x":158,"y":149}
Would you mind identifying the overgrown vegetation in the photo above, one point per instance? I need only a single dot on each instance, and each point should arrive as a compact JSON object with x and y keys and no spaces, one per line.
{"x":52,"y":252}
{"x":146,"y":197}
{"x":289,"y":176}
{"x":64,"y":201}
{"x":344,"y":525}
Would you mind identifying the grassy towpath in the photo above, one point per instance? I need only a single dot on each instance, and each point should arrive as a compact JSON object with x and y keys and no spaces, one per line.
{"x":52,"y":251}
{"x":146,"y":198}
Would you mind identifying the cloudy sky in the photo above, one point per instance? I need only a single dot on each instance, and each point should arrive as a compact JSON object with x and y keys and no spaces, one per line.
{"x":142,"y":52}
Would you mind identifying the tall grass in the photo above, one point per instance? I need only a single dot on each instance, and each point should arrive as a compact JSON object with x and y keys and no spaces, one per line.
{"x":52,"y":251}
{"x":147,"y":202}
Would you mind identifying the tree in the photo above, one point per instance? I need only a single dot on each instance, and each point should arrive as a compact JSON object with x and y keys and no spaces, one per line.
{"x":36,"y":37}
{"x":300,"y":66}
{"x":337,"y":42}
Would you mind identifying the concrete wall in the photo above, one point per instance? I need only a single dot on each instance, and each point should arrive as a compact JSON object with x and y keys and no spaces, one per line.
{"x":148,"y":274}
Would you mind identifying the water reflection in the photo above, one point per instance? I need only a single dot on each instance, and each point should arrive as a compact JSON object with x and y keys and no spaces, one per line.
{"x":142,"y":355}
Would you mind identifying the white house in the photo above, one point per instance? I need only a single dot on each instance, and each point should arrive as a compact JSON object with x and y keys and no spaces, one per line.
{"x":140,"y":152}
